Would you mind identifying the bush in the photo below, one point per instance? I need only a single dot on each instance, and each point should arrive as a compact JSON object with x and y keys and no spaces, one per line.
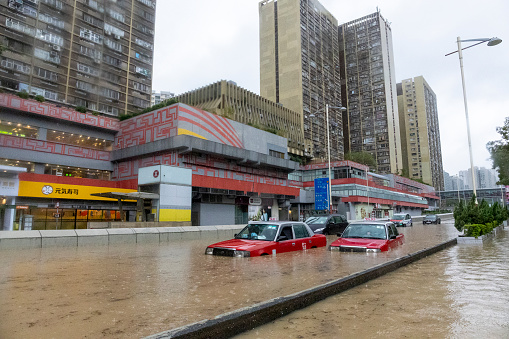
{"x":23,"y":95}
{"x":40,"y":98}
{"x":476,"y":230}
{"x":81,"y":109}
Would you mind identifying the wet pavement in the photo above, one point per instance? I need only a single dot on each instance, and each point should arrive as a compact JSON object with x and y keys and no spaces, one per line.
{"x":461,"y":292}
{"x":130,"y":291}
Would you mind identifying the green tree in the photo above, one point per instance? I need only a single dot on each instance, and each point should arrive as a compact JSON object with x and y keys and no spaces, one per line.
{"x":363,"y":157}
{"x":499,"y":151}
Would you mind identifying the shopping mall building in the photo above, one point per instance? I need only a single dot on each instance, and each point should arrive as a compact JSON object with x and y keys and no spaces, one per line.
{"x":62,"y":169}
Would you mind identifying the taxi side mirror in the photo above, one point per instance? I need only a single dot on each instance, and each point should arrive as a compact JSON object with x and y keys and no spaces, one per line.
{"x":282,"y":238}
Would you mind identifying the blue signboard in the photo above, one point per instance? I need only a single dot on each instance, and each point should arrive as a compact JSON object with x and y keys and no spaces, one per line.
{"x":322,"y":194}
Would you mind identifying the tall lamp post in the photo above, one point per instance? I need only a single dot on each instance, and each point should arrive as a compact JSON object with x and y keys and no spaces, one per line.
{"x":491,"y":42}
{"x":328,"y":147}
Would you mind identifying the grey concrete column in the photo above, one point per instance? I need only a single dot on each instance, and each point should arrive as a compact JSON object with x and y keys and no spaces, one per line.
{"x":42,"y":133}
{"x":9,"y":215}
{"x":39,"y":168}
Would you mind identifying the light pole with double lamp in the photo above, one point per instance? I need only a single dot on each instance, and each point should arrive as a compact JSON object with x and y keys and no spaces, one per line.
{"x":328,"y":147}
{"x":491,"y":42}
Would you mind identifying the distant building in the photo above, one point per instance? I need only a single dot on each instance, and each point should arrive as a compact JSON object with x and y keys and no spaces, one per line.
{"x":420,"y":132}
{"x":93,"y":54}
{"x":449,"y":199}
{"x":369,"y":91}
{"x":226,"y":99}
{"x":299,"y":68}
{"x":158,"y":97}
{"x":447,"y":181}
{"x":484,"y":178}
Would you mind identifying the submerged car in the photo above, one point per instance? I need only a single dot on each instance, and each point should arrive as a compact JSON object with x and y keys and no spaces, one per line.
{"x":402,"y":220}
{"x":268,"y":237}
{"x":327,"y":224}
{"x":370,"y":236}
{"x":432,"y":219}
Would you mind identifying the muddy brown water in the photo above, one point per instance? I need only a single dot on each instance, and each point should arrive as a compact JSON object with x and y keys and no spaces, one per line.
{"x":132,"y":291}
{"x":461,"y":292}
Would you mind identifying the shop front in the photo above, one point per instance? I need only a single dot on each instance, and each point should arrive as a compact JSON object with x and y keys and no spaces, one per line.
{"x":46,"y":202}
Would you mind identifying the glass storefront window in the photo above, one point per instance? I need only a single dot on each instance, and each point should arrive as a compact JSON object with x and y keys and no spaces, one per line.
{"x":79,"y":140}
{"x":18,"y":129}
{"x":44,"y":218}
{"x":76,"y":172}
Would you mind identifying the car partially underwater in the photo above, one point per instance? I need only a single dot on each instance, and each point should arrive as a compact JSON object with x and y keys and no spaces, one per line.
{"x":370,"y":236}
{"x":268,"y":238}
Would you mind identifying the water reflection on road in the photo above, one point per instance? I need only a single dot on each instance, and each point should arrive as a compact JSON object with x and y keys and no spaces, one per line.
{"x":461,"y":292}
{"x":138,"y":290}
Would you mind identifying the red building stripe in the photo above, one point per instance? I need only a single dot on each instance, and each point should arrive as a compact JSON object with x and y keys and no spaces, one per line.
{"x":214,"y":125}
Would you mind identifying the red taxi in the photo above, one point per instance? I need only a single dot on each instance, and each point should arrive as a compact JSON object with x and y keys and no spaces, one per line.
{"x":369,"y":236}
{"x":268,"y":237}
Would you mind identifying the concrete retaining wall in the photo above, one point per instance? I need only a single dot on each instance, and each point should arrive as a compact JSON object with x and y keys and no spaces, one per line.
{"x":233,"y":323}
{"x":111,"y":236}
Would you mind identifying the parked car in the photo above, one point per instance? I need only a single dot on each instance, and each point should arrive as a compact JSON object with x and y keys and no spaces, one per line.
{"x":268,"y":237}
{"x":327,"y":224}
{"x":432,"y":219}
{"x":402,"y":220}
{"x":368,"y":236}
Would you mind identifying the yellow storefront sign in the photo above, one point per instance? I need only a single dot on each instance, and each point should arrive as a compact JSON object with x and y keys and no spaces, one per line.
{"x":62,"y":191}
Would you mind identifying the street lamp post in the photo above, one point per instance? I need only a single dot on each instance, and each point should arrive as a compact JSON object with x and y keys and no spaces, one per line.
{"x":491,"y":42}
{"x":328,"y":149}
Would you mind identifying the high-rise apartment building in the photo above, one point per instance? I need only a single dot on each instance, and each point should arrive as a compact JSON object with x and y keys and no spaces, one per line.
{"x":420,"y":132}
{"x":92,"y":53}
{"x":299,"y":69}
{"x":369,"y":91}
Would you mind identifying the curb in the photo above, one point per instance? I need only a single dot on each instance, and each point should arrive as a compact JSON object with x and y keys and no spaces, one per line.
{"x":238,"y":321}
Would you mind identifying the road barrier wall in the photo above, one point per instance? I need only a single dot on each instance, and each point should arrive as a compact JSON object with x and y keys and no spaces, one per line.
{"x":112,"y":236}
{"x":233,"y":323}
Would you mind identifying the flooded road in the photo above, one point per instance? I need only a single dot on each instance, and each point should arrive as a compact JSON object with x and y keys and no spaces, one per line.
{"x":461,"y":292}
{"x":131,"y":291}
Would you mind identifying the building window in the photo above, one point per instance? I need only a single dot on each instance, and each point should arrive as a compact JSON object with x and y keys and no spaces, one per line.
{"x":117,"y":32}
{"x":91,"y":36}
{"x":54,"y":3}
{"x":117,"y":46}
{"x":51,"y":20}
{"x":15,"y":65}
{"x":116,"y":15}
{"x":87,"y":69}
{"x":109,"y":93}
{"x":276,"y":154}
{"x":45,"y":74}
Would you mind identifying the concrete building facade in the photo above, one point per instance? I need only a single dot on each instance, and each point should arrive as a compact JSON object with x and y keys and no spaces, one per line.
{"x":92,"y":54}
{"x":299,"y":69}
{"x":226,"y":99}
{"x":420,"y":132}
{"x":371,"y":123}
{"x":75,"y":167}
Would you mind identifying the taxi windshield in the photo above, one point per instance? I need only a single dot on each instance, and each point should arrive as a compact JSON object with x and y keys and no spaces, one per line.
{"x":365,"y":231}
{"x":265,"y":232}
{"x":398,"y":217}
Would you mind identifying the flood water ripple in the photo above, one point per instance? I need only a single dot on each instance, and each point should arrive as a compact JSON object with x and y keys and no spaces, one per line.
{"x":461,"y":292}
{"x":132,"y":291}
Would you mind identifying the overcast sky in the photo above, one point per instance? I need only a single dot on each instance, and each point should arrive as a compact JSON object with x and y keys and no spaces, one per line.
{"x":199,"y":42}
